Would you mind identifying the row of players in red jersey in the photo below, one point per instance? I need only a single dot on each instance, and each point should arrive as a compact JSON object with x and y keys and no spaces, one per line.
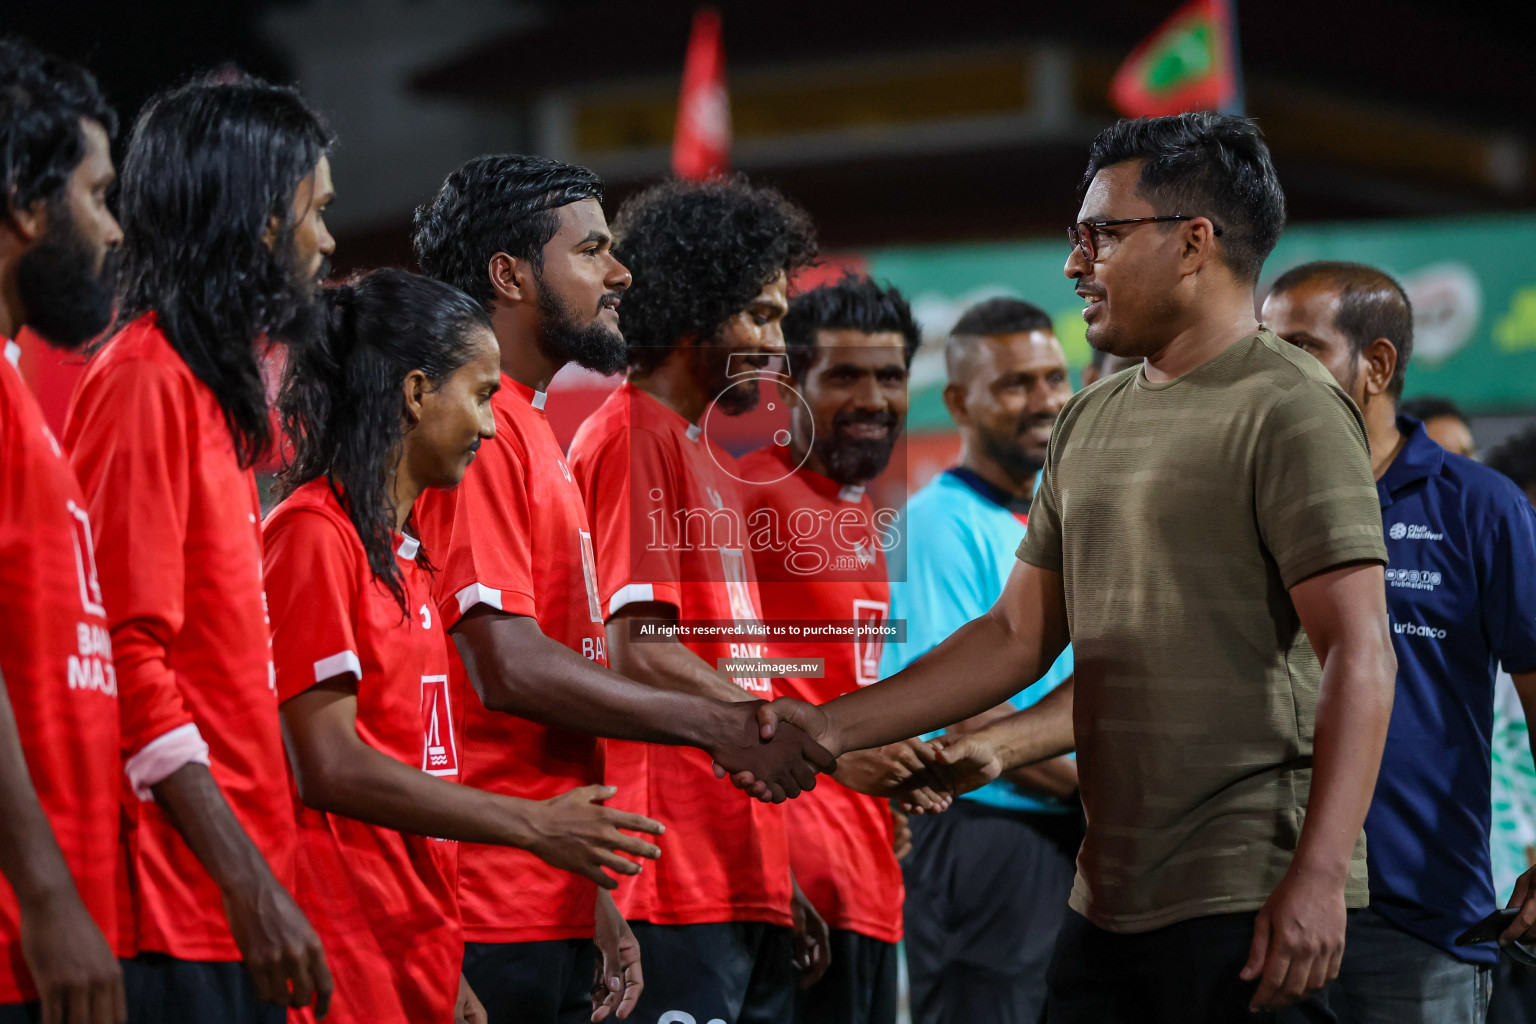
{"x":223,"y":628}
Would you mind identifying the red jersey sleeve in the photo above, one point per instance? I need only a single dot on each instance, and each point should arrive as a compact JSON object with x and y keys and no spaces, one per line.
{"x":617,"y":483}
{"x":312,"y":593}
{"x":479,"y":536}
{"x":128,"y":444}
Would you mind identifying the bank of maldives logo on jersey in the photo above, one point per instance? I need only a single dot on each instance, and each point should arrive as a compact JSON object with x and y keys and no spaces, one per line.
{"x":439,"y":753}
{"x":869,"y":644}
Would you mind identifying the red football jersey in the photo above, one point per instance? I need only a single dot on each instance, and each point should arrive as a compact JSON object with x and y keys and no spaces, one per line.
{"x":644,"y":468}
{"x":840,"y":841}
{"x":383,"y":901}
{"x":178,"y":547}
{"x":57,"y":662}
{"x":514,"y":536}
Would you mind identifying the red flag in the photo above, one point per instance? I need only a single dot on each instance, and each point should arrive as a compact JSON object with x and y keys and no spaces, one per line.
{"x":701,"y":147}
{"x":1189,"y":63}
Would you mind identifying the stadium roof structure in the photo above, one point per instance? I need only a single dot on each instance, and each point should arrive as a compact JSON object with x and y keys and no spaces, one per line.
{"x":969,"y":119}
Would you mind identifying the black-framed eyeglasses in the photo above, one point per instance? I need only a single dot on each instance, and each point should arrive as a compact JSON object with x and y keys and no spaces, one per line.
{"x":1084,"y":234}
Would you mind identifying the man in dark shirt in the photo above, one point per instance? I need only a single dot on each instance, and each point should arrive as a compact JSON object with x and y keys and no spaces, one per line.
{"x":1461,"y":596}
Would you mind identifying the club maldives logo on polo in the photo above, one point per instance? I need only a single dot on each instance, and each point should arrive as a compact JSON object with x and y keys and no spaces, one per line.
{"x":1412,"y":531}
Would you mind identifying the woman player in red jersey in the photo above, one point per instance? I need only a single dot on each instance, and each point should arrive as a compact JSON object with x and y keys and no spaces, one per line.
{"x":395,"y":399}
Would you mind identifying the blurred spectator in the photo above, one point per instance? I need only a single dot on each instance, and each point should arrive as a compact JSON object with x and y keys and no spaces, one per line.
{"x":1515,"y":457}
{"x":1513,"y":841}
{"x":1461,"y":595}
{"x":1443,"y":421}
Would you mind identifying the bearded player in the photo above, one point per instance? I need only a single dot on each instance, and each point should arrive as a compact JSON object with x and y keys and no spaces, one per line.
{"x":225,"y":183}
{"x":819,"y":547}
{"x":58,"y":705}
{"x":527,"y":238}
{"x":716,"y":918}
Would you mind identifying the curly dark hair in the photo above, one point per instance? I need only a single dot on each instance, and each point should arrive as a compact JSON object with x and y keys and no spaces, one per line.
{"x":341,"y":400}
{"x":700,"y":252}
{"x":496,"y":203}
{"x":209,"y":165}
{"x":853,"y":303}
{"x":42,"y":101}
{"x":1203,"y":165}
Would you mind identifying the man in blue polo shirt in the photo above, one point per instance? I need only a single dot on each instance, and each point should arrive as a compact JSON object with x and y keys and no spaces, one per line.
{"x":1461,"y":597}
{"x":987,"y":881}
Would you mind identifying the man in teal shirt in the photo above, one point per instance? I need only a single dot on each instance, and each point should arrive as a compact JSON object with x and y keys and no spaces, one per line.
{"x":987,"y":881}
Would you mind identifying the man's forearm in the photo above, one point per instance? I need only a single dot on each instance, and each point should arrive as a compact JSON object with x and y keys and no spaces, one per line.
{"x":1054,"y":777}
{"x":1354,"y":706}
{"x":197,"y":810}
{"x":982,"y":663}
{"x":30,"y":857}
{"x":670,"y":665}
{"x":353,"y":780}
{"x":1037,"y":733}
{"x":515,"y":668}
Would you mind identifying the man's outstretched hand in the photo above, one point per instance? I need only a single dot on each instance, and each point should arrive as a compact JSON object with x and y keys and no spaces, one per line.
{"x":778,"y":761}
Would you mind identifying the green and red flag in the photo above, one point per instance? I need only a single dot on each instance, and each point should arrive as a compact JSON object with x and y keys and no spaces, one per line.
{"x":1189,"y":63}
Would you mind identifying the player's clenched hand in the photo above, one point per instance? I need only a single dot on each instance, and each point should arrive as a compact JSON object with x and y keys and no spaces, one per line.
{"x":813,"y":940}
{"x":771,"y":763}
{"x":281,"y":951}
{"x":575,"y":832}
{"x":467,"y":1009}
{"x":77,"y":977}
{"x":1298,"y":940}
{"x":617,"y":980}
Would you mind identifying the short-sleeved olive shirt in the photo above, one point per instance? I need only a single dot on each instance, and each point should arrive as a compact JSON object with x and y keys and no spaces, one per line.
{"x":1180,"y":514}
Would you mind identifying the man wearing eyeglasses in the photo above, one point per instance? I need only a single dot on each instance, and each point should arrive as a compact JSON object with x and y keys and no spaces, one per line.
{"x":1206,"y":534}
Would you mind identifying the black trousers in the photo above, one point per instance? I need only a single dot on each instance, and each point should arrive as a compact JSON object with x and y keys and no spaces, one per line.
{"x":533,"y":982}
{"x":986,"y":894}
{"x":1514,"y":994}
{"x":164,"y":990}
{"x":739,"y":972}
{"x":1180,"y":974}
{"x":858,"y":988}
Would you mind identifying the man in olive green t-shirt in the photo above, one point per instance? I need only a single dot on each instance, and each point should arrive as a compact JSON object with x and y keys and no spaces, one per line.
{"x":1207,"y":535}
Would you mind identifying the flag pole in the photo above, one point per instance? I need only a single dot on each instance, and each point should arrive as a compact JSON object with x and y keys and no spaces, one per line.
{"x":1238,"y":103}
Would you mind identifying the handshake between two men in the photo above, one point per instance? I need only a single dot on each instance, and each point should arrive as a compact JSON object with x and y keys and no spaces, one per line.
{"x":797,"y":740}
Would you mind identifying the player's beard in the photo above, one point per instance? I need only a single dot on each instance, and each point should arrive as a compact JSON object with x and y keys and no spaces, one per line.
{"x":1006,"y":450}
{"x":303,"y":314}
{"x":712,"y":364}
{"x":854,"y":462}
{"x":67,"y":298}
{"x":564,"y":338}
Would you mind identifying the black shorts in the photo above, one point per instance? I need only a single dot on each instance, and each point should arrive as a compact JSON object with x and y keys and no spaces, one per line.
{"x":533,"y":982}
{"x":987,"y":891}
{"x":741,"y":972}
{"x":21,"y":1013}
{"x":858,"y":988}
{"x":164,"y":990}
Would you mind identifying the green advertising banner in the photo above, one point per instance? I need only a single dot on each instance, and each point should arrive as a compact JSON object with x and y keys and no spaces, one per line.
{"x":1472,"y":282}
